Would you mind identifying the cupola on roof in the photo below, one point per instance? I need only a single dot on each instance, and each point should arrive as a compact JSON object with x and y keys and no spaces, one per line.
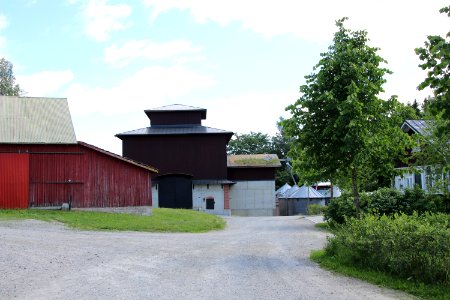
{"x":176,"y":114}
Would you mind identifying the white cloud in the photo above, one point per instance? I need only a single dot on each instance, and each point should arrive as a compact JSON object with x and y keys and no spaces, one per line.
{"x":3,"y":25}
{"x":102,"y":18}
{"x":148,"y":87}
{"x":252,"y":111}
{"x":122,"y":55}
{"x":3,"y":22}
{"x":397,"y":27}
{"x":45,"y":83}
{"x":99,"y":113}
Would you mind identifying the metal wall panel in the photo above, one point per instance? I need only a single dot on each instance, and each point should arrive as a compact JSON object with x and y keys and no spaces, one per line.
{"x":14,"y":174}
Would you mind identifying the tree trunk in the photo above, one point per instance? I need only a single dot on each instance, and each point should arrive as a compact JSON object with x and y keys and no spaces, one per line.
{"x":355,"y":191}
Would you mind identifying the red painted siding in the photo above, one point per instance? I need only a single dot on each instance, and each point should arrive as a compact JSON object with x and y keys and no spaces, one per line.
{"x":82,"y":175}
{"x":14,"y":173}
{"x":226,"y":196}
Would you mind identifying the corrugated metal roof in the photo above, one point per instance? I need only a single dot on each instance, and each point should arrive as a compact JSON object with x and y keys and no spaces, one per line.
{"x":282,"y":189}
{"x":176,"y":107}
{"x":305,"y":192}
{"x":174,"y":130}
{"x":253,"y":160}
{"x":35,"y":121}
{"x":290,"y":191}
{"x":421,"y":127}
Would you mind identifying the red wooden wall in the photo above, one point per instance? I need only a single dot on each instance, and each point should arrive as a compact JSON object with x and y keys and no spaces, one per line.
{"x":80,"y":174}
{"x":14,"y":174}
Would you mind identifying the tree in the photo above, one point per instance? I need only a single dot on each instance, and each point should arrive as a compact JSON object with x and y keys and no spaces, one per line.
{"x":252,"y":143}
{"x":260,"y":143}
{"x":415,"y":106}
{"x":436,"y":59}
{"x":8,"y":87}
{"x":339,"y":124}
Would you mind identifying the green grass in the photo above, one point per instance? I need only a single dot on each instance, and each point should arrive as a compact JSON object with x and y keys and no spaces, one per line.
{"x":323,"y":226}
{"x":422,"y":290}
{"x":162,"y":220}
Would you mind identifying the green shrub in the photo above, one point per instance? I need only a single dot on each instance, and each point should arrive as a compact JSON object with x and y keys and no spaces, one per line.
{"x":340,"y":208}
{"x":412,"y":247}
{"x":441,"y":202}
{"x":385,"y":201}
{"x":343,"y":207}
{"x":316,"y":209}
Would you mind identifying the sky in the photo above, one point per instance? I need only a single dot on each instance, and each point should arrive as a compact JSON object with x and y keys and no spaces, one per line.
{"x":243,"y":61}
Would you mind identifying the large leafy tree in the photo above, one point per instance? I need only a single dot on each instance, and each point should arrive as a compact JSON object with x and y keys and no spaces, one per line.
{"x":340,"y":126}
{"x":8,"y":87}
{"x":251,"y":143}
{"x":436,"y":60}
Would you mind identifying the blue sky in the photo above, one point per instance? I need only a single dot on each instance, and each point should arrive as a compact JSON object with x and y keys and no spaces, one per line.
{"x":242,"y":60}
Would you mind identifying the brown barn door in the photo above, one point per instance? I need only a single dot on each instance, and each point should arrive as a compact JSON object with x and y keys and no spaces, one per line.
{"x":14,"y":179}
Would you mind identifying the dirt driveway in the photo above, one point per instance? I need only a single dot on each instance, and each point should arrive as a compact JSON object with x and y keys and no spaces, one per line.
{"x":254,"y":258}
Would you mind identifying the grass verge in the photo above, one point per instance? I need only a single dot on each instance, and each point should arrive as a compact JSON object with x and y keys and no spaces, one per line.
{"x":323,"y":226}
{"x":422,"y":290}
{"x":162,"y":220}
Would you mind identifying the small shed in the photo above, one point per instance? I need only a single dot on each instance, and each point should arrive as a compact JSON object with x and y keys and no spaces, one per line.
{"x":296,"y":201}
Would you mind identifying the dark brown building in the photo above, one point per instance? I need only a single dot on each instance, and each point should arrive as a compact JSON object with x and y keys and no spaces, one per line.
{"x":193,"y":167}
{"x":177,"y":143}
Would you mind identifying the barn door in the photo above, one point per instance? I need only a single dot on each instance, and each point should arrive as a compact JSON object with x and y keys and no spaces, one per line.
{"x":175,"y":191}
{"x":14,"y":179}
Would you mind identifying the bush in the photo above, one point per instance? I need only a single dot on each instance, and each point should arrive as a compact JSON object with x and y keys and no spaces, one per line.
{"x":340,"y":208}
{"x":387,"y":201}
{"x":440,"y":202}
{"x":316,"y":209}
{"x":411,"y":247}
{"x":343,"y":207}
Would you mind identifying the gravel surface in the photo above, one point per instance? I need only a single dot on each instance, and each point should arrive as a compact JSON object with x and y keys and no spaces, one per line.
{"x":253,"y":258}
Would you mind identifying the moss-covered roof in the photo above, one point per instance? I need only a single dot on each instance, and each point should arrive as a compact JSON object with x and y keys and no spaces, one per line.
{"x":253,"y":160}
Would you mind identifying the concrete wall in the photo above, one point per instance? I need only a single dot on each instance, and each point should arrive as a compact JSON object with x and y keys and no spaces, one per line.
{"x":199,"y":194}
{"x":252,"y":198}
{"x":202,"y":191}
{"x":155,"y":199}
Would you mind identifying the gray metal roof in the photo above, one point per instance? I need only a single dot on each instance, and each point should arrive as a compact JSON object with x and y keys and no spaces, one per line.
{"x":29,"y":120}
{"x":282,"y":189}
{"x":176,"y":107}
{"x":305,"y":192}
{"x":174,"y":130}
{"x":290,"y":191}
{"x":418,"y":126}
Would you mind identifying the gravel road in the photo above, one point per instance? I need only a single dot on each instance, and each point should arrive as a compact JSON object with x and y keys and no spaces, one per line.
{"x":253,"y":258}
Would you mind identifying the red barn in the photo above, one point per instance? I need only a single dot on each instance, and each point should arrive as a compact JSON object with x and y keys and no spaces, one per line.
{"x":42,"y":164}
